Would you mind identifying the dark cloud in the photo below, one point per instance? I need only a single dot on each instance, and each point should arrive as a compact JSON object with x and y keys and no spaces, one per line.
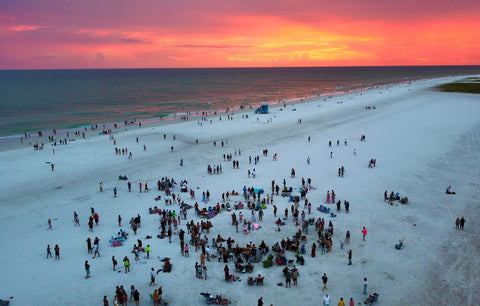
{"x":211,"y":46}
{"x":135,"y":41}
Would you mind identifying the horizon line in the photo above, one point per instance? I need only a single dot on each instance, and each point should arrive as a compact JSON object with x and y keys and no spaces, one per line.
{"x":253,"y":67}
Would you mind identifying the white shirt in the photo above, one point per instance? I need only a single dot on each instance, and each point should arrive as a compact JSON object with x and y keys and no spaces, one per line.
{"x":326,"y":300}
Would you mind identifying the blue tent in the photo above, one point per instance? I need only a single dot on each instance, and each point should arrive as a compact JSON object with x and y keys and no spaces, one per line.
{"x":263,"y":109}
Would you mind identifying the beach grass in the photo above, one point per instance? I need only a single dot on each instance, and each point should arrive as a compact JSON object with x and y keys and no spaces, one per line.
{"x":469,"y":85}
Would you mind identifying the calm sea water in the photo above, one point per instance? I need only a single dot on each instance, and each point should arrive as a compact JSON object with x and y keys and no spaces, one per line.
{"x":32,"y":100}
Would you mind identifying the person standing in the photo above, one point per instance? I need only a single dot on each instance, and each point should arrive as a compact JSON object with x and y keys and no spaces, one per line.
{"x":326,"y":300}
{"x":114,"y":262}
{"x":155,"y":298}
{"x":126,"y":263}
{"x":364,"y":233}
{"x":87,"y":269}
{"x":89,"y":246}
{"x":260,"y":301}
{"x":462,"y":223}
{"x":148,"y":250}
{"x":115,"y":191}
{"x":347,"y":237}
{"x":365,"y":285}
{"x":352,"y":302}
{"x":57,"y":251}
{"x":49,"y":251}
{"x":105,"y":301}
{"x":295,"y":275}
{"x":288,"y":277}
{"x":457,"y":223}
{"x":324,"y":280}
{"x":76,"y":219}
{"x":341,"y":302}
{"x":136,"y":296}
{"x":49,"y":224}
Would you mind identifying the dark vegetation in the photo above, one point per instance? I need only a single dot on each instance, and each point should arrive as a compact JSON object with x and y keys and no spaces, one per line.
{"x":469,"y":85}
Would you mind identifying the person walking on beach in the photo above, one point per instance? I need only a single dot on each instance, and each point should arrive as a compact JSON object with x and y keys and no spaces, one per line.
{"x":462,"y":223}
{"x":49,"y":224}
{"x":115,"y":191}
{"x":152,"y":277}
{"x":53,"y":166}
{"x":96,"y":253}
{"x":324,"y":280}
{"x":349,"y":257}
{"x":365,"y":285}
{"x":49,"y":251}
{"x":457,"y":223}
{"x":101,"y":186}
{"x":364,"y":233}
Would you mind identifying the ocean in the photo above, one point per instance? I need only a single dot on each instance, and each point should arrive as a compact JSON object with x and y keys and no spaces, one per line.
{"x":33,"y":100}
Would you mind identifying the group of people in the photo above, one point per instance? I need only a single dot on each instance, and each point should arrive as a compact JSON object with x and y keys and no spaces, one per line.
{"x":227,"y":251}
{"x":460,"y":223}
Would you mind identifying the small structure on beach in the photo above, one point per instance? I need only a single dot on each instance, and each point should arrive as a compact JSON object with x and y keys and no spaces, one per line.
{"x":263,"y":109}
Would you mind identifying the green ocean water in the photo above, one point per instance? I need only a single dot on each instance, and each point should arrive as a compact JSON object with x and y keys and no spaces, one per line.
{"x":32,"y":100}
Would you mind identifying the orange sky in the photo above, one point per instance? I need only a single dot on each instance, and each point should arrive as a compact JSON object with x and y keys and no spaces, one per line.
{"x":158,"y":34}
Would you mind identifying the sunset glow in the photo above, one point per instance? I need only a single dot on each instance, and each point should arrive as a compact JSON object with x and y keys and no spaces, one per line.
{"x":164,"y":34}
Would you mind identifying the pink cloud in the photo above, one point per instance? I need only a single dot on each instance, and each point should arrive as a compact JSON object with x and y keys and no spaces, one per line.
{"x":144,"y":33}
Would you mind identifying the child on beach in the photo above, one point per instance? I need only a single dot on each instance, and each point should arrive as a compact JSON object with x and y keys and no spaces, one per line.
{"x":87,"y":269}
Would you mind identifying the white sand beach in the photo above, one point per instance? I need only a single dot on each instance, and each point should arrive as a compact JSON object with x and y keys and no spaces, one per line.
{"x":423,"y":140}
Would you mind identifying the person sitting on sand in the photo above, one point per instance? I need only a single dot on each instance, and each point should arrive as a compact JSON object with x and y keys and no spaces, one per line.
{"x":449,"y":191}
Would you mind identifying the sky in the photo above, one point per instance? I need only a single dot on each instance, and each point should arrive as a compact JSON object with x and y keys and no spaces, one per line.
{"x":63,"y":34}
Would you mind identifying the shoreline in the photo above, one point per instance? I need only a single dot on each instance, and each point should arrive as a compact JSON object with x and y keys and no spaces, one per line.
{"x":7,"y":142}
